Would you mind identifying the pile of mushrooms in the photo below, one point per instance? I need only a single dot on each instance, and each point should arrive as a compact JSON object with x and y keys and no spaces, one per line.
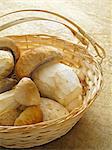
{"x":43,"y":88}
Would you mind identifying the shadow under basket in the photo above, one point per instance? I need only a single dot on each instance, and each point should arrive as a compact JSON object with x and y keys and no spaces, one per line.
{"x":76,"y":55}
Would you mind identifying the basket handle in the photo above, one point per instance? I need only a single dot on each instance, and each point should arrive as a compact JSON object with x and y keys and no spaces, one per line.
{"x":83,"y":36}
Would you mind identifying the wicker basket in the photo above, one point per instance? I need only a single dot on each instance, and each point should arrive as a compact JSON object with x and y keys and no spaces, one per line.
{"x":75,"y":54}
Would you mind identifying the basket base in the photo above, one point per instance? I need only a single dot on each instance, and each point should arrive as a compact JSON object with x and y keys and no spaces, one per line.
{"x":34,"y":143}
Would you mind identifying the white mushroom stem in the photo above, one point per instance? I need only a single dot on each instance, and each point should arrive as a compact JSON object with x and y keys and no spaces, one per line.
{"x":8,"y":108}
{"x":7,"y":101}
{"x":57,"y":81}
{"x":6,"y":63}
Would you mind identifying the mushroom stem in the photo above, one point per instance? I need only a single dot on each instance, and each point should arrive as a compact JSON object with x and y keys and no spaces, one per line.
{"x":7,"y":84}
{"x":6,"y":63}
{"x":8,"y":108}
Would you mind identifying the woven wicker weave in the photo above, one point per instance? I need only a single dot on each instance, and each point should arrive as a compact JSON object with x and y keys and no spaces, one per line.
{"x":75,"y":54}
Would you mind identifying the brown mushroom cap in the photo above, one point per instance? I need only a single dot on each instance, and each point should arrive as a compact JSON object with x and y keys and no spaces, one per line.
{"x":8,"y":44}
{"x":33,"y":58}
{"x":30,"y":115}
{"x":26,"y":92}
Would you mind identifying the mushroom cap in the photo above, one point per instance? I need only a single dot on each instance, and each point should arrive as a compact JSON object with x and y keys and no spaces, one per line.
{"x":9,"y":44}
{"x":33,"y":58}
{"x":26,"y":92}
{"x":30,"y":115}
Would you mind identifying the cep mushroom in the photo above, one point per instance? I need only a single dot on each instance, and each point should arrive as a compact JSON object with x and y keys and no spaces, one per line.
{"x":33,"y":58}
{"x":11,"y":101}
{"x":8,"y":44}
{"x":8,"y":54}
{"x":57,"y":81}
{"x":31,"y":115}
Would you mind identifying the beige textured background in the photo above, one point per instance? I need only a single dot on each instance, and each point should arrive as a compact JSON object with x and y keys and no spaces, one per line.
{"x":94,"y":130}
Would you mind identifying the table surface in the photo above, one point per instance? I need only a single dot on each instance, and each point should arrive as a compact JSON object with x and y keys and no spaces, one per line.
{"x":94,"y":130}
